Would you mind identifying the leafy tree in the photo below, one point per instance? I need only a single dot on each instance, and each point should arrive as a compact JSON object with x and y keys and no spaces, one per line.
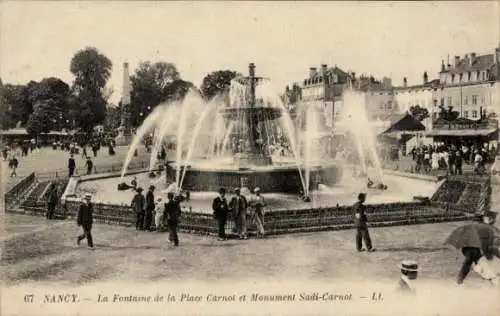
{"x":294,"y":94}
{"x":17,"y":102}
{"x":448,"y":114}
{"x":92,"y":70}
{"x":51,"y":106}
{"x":217,"y":82}
{"x":418,"y":112}
{"x":153,"y":84}
{"x":113,"y":117}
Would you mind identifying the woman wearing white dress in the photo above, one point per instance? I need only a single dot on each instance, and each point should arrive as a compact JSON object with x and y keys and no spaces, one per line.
{"x":435,"y":161}
{"x":159,"y":209}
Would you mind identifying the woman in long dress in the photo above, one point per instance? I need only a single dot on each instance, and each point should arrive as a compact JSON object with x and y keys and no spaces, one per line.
{"x":435,"y":161}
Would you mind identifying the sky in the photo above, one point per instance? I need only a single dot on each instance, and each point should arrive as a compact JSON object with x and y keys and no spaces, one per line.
{"x":283,"y":39}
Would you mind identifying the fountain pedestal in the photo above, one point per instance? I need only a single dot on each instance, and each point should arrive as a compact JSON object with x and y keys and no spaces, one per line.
{"x":251,"y":159}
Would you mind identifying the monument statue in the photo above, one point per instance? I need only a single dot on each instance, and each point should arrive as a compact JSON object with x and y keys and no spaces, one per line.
{"x":125,"y":135}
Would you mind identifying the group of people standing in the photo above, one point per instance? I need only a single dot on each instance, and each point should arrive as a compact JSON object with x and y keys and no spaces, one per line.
{"x":241,"y":210}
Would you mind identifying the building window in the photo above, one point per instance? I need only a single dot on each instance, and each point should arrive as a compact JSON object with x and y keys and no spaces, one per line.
{"x":474,"y":100}
{"x":477,"y":75}
{"x":484,"y":75}
{"x":449,"y":101}
{"x":435,"y":102}
{"x":468,"y":76}
{"x":461,"y":76}
{"x":474,"y":114}
{"x":434,"y":115}
{"x":466,"y":100}
{"x":466,"y":114}
{"x":452,"y":78}
{"x":483,"y":99}
{"x":442,"y":101}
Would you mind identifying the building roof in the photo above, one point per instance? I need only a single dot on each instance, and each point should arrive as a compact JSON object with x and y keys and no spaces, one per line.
{"x":23,"y":131}
{"x":429,"y":85}
{"x":404,"y":123}
{"x":482,"y":62}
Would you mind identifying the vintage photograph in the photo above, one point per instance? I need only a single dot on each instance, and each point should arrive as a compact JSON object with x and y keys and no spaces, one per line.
{"x":250,"y":158}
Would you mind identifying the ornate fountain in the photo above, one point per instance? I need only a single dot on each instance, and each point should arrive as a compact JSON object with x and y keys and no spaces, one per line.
{"x":252,"y":164}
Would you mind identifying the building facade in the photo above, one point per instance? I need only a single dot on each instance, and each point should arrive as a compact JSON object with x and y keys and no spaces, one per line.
{"x":470,"y":84}
{"x":324,"y":88}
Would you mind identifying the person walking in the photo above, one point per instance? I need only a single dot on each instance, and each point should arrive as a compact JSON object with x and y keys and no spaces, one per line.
{"x":150,"y":207}
{"x":257,"y":209}
{"x":476,"y":256}
{"x":458,"y":162}
{"x":221,"y":208}
{"x":89,"y":164}
{"x":13,"y":164}
{"x":71,"y":166}
{"x":360,"y":222}
{"x":138,"y":206}
{"x":238,"y":206}
{"x":52,"y":200}
{"x":172,"y":214}
{"x":85,"y":219}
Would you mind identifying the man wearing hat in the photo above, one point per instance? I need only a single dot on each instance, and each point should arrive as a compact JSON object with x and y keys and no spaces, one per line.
{"x":360,"y":221}
{"x":172,"y":214}
{"x":238,"y":206}
{"x":409,"y":273}
{"x":84,"y":219}
{"x":71,"y":166}
{"x":220,"y":208}
{"x":138,"y":206}
{"x":150,"y":206}
{"x":257,"y":204}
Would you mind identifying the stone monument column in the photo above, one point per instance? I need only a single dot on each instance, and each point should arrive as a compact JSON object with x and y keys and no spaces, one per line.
{"x":125,"y":135}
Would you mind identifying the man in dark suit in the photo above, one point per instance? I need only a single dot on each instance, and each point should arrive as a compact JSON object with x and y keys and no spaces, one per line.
{"x":173,"y":213}
{"x":238,"y":206}
{"x":138,"y":206}
{"x":220,"y":208}
{"x":360,"y":221}
{"x":150,"y":206}
{"x":71,"y":166}
{"x":85,"y":220}
{"x":52,"y":200}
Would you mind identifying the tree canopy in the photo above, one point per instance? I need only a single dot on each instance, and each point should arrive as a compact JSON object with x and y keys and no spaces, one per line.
{"x":153,"y":84}
{"x":92,"y":70}
{"x":418,"y":112}
{"x":50,"y":99}
{"x":217,"y":82}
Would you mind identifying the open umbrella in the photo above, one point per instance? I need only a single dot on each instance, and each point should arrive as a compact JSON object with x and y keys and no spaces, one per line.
{"x":478,"y":235}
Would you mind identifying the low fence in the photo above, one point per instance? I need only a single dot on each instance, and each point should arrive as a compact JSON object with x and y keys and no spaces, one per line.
{"x":62,"y":173}
{"x":281,"y":221}
{"x":19,"y":190}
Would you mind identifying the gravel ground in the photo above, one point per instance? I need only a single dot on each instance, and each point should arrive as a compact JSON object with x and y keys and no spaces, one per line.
{"x":38,"y":250}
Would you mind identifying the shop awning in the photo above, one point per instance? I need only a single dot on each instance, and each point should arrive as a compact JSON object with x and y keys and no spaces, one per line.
{"x":462,"y":132}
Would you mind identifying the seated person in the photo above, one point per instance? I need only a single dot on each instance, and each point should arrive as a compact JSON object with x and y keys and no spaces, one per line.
{"x":370,"y":183}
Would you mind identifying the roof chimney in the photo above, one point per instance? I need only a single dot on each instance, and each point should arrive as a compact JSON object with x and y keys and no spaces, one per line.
{"x":442,"y":65}
{"x":457,"y":61}
{"x":405,"y":82}
{"x":472,"y":58}
{"x":426,"y":77}
{"x":312,"y":72}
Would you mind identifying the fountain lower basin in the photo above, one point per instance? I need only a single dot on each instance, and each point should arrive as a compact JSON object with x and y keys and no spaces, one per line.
{"x":284,"y":178}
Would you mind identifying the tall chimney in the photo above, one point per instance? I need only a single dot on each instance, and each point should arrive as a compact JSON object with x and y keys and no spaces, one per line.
{"x":312,"y":72}
{"x":472,"y":58}
{"x":457,"y":61}
{"x":442,"y":65}
{"x":426,"y":77}
{"x":405,"y":82}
